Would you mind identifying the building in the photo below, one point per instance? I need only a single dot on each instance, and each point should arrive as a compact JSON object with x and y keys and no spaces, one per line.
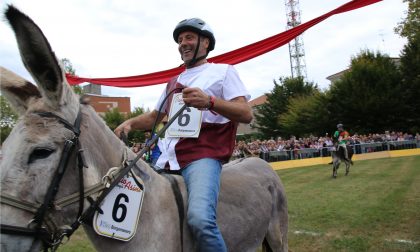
{"x":243,"y":128}
{"x":103,"y":104}
{"x":92,"y":89}
{"x":337,"y":76}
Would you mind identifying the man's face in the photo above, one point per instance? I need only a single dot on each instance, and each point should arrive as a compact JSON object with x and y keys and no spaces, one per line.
{"x":187,"y":42}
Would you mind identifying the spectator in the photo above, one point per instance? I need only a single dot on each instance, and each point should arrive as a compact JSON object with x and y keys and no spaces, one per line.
{"x":323,"y":144}
{"x":243,"y":150}
{"x":264,"y":151}
{"x":136,"y":147}
{"x":154,"y":153}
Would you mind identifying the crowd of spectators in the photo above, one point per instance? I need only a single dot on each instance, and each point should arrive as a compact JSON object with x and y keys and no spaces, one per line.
{"x":259,"y":148}
{"x":294,"y":146}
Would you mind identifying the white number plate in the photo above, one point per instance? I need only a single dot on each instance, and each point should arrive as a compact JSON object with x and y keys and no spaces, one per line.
{"x":121,"y":210}
{"x":188,"y":123}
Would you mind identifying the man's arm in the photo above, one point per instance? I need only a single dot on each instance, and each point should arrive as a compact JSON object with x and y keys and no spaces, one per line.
{"x":236,"y":110}
{"x":346,"y":135}
{"x":142,"y":122}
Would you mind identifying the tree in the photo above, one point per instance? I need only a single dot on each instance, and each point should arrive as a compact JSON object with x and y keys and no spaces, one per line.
{"x":8,"y":118}
{"x":68,"y":68}
{"x":136,"y":112}
{"x":368,"y":97}
{"x":306,"y":115}
{"x":136,"y":136}
{"x":410,"y":71}
{"x":410,"y":65}
{"x":113,"y":118}
{"x":277,"y":101}
{"x":410,"y":26}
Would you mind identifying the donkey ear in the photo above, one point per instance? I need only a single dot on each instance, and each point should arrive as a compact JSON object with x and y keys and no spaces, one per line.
{"x":37,"y":56}
{"x":18,"y":91}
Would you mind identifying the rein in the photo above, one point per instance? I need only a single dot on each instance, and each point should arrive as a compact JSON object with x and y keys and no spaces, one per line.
{"x":88,"y":214}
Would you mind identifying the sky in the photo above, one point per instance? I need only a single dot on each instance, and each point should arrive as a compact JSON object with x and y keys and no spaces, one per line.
{"x":116,"y":38}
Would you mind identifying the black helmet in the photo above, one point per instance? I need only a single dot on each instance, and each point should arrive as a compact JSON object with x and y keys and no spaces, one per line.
{"x":195,"y":25}
{"x":340,"y":125}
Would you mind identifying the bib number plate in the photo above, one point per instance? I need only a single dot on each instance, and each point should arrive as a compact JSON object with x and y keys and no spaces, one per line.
{"x":188,"y":123}
{"x":121,"y":210}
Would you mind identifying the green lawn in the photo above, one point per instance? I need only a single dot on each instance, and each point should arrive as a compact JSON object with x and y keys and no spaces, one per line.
{"x":375,"y":208}
{"x":77,"y":243}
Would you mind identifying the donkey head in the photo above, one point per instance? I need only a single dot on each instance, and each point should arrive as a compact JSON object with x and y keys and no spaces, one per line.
{"x":33,"y":149}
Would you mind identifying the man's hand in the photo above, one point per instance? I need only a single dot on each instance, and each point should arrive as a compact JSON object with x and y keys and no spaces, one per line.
{"x":195,"y":97}
{"x":123,"y":127}
{"x":236,"y":109}
{"x":141,"y":122}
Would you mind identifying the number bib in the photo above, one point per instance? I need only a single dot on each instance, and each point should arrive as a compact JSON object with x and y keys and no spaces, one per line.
{"x":188,"y":123}
{"x":121,"y":209}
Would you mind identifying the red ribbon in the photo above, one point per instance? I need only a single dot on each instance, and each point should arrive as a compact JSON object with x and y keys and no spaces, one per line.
{"x":233,"y":57}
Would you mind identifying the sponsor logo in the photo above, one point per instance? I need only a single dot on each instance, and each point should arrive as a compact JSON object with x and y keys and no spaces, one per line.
{"x":126,"y":184}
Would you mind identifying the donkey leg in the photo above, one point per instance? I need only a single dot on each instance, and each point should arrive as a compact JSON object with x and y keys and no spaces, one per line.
{"x":335,"y":168}
{"x":347,"y":168}
{"x":276,"y":238}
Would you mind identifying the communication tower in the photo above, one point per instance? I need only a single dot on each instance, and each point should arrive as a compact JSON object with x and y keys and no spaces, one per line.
{"x":296,"y":48}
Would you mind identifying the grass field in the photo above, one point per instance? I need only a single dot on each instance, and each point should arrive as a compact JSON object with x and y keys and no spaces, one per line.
{"x":375,"y":208}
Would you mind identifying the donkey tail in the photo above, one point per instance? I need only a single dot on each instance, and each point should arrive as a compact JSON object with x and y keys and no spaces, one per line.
{"x":275,"y":239}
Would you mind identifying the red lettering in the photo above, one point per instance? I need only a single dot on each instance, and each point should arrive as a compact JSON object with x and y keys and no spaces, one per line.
{"x":127,"y":185}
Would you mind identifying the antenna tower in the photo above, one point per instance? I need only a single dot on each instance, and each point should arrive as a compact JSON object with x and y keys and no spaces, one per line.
{"x":296,"y":48}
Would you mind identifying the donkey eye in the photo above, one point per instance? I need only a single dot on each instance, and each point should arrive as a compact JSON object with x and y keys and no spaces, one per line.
{"x":39,"y":153}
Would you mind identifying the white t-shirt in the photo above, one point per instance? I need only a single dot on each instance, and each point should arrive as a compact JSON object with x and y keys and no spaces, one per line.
{"x":219,"y":80}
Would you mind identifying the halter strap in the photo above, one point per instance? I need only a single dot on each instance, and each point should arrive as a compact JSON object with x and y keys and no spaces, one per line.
{"x":50,"y":239}
{"x":53,"y":239}
{"x":69,"y":145}
{"x":73,"y":127}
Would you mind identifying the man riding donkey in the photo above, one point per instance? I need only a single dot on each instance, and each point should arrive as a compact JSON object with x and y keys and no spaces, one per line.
{"x":214,"y":93}
{"x":341,"y":139}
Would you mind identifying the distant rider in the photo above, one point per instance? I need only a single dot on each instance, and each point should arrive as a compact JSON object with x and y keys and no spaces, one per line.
{"x":341,"y":138}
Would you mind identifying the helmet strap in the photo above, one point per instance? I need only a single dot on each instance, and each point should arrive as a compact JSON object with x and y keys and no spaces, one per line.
{"x":194,"y":60}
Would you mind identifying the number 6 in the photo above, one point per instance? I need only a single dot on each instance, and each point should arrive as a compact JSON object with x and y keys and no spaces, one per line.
{"x":123,"y":207}
{"x":186,"y":116}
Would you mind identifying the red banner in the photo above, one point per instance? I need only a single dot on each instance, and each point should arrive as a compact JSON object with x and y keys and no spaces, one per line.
{"x":233,"y":57}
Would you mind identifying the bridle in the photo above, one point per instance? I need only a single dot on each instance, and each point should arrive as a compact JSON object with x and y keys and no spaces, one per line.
{"x":42,"y":227}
